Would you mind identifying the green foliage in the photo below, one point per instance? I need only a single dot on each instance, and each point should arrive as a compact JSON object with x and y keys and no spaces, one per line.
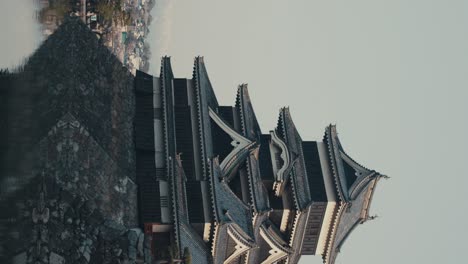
{"x":173,"y":251}
{"x":127,"y":19}
{"x":105,"y":10}
{"x":59,"y":8}
{"x":187,"y":256}
{"x":111,"y":11}
{"x":4,"y":71}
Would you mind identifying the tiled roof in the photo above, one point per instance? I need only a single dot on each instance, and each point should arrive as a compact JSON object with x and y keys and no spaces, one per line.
{"x":298,"y":174}
{"x":227,"y":206}
{"x":356,"y":195}
{"x":250,"y":126}
{"x":356,"y":212}
{"x":190,"y":239}
{"x":206,"y":99}
{"x":251,"y":130}
{"x":186,"y":236}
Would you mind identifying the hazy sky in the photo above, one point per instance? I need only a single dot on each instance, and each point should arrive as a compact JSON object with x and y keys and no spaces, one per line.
{"x":391,"y":74}
{"x":19,"y":31}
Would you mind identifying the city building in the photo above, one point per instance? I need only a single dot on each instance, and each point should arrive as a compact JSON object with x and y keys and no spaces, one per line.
{"x":215,"y":187}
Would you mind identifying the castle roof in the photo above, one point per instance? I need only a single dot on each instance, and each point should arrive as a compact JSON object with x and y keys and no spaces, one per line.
{"x":355,"y":185}
{"x":242,"y":146}
{"x":251,"y":130}
{"x":228,"y":208}
{"x":233,"y":219}
{"x":298,"y":175}
{"x":249,"y":123}
{"x":200,"y":75}
{"x":167,"y":91}
{"x":186,"y":236}
{"x":206,"y":99}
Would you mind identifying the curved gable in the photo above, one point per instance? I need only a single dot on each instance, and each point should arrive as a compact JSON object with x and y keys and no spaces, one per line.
{"x":298,"y":173}
{"x":241,"y":146}
{"x":352,"y":214}
{"x":279,"y":248}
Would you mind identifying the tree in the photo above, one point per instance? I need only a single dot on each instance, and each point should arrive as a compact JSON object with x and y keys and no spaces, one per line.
{"x":4,"y":71}
{"x":112,"y":12}
{"x":105,"y":10}
{"x":61,"y":8}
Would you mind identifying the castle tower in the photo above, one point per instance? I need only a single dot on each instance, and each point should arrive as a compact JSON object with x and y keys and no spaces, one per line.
{"x":214,"y":185}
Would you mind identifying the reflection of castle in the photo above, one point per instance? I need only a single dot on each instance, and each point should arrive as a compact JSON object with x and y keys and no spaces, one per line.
{"x":211,"y":182}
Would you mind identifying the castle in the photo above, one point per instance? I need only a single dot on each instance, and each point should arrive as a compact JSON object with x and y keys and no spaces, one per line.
{"x":212,"y":182}
{"x":98,"y":166}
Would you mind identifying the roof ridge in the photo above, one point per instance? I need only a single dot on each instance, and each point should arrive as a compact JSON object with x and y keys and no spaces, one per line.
{"x":195,"y":78}
{"x":275,"y":236}
{"x":332,"y":157}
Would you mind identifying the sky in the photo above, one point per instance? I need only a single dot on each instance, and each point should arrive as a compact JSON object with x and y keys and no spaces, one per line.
{"x":392,"y":75}
{"x":20,"y":34}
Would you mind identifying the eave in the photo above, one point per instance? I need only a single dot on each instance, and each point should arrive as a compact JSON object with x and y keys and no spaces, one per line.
{"x":357,"y":218}
{"x":298,"y":174}
{"x":227,"y":207}
{"x":251,"y":130}
{"x":205,"y":99}
{"x":333,"y":152}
